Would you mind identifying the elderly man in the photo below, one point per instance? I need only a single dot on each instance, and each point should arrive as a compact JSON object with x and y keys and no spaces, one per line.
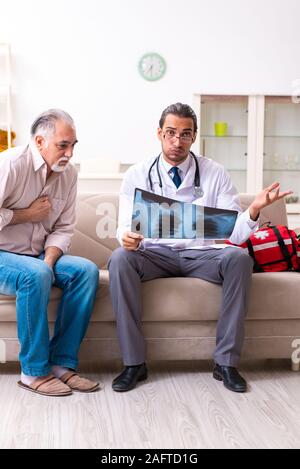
{"x":179,"y":174}
{"x":37,"y":219}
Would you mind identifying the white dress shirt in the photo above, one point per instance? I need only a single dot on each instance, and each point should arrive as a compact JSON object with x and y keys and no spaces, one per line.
{"x":217,"y":187}
{"x":182,"y":168}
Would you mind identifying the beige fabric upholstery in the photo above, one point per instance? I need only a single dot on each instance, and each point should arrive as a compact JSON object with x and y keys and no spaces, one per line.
{"x":180,"y":314}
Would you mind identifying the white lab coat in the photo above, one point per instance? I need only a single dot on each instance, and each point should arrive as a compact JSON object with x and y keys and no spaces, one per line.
{"x":218,"y":189}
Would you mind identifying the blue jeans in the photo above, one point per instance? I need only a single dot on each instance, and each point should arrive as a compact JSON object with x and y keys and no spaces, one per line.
{"x":30,"y":279}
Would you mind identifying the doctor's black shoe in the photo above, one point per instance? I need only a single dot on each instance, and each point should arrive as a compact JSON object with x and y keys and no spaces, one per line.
{"x":129,"y":377}
{"x":231,"y":378}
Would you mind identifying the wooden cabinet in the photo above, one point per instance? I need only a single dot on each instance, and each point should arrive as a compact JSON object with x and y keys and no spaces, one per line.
{"x":260,"y":142}
{"x":281,"y":156}
{"x":230,"y":148}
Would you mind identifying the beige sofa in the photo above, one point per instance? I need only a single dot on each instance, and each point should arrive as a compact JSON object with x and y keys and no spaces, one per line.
{"x":180,"y":314}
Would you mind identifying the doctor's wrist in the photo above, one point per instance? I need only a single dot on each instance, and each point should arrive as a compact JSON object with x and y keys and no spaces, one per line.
{"x":254,"y":212}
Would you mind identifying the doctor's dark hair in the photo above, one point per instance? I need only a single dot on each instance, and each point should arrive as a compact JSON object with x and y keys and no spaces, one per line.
{"x":180,"y":110}
{"x":44,"y":124}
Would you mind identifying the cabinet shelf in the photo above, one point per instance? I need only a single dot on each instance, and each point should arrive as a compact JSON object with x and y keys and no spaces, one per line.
{"x":292,"y":207}
{"x":224,"y":137}
{"x":283,"y":136}
{"x":282,"y":170}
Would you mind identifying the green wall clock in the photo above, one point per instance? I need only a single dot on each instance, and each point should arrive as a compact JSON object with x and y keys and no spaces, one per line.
{"x":152,"y":66}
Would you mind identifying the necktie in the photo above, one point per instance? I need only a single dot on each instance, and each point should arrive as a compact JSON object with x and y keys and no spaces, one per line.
{"x":176,"y":177}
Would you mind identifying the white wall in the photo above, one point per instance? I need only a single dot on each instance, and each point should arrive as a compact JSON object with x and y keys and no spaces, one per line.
{"x":82,"y":55}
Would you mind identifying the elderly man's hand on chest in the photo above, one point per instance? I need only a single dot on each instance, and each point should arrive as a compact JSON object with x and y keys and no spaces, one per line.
{"x":38,"y":211}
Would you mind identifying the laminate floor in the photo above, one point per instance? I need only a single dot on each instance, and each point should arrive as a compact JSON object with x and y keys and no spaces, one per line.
{"x":179,"y":406}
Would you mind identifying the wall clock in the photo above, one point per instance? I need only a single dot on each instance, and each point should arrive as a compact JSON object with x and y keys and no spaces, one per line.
{"x":152,"y":66}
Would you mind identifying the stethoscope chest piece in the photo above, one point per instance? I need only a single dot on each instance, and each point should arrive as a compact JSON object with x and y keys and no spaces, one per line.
{"x":198,"y":192}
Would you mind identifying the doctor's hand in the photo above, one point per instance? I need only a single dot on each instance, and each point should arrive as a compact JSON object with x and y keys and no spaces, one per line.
{"x":266,"y":197}
{"x":131,"y":241}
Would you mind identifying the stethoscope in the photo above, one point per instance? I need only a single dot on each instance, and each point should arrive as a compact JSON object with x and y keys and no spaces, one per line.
{"x":198,"y":191}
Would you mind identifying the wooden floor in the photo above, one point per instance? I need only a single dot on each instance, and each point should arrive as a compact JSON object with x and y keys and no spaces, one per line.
{"x":180,"y":406}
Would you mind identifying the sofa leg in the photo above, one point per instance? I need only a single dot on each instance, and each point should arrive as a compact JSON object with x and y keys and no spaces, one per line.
{"x":295,"y":365}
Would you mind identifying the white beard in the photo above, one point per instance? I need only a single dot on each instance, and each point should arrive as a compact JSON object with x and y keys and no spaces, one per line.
{"x":56,"y":166}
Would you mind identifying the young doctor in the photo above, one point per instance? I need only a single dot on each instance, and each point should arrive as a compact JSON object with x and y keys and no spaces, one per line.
{"x":178,"y":174}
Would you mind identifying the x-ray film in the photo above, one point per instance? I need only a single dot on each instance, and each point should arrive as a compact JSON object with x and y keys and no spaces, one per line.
{"x":155,"y":216}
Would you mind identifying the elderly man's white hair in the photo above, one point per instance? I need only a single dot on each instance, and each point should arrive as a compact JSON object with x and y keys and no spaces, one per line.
{"x":44,"y":124}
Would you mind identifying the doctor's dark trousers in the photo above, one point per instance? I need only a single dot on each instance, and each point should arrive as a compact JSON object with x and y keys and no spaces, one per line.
{"x":231,"y":267}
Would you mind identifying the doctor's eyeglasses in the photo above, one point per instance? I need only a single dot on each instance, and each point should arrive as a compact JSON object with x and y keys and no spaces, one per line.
{"x":184,"y":137}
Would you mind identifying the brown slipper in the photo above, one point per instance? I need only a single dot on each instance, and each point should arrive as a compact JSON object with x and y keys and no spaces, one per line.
{"x":48,"y":386}
{"x":76,"y":383}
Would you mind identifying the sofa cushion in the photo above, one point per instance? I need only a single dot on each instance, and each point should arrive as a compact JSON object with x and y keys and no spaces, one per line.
{"x":274,"y":295}
{"x":92,"y":210}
